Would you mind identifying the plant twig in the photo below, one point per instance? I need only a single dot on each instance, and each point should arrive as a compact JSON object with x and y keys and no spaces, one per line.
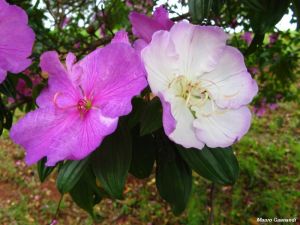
{"x":15,"y":105}
{"x":211,"y":203}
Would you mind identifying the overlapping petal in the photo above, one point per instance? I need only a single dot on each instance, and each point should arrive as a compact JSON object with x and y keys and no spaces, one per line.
{"x":199,"y":47}
{"x":119,"y":74}
{"x":229,"y":83}
{"x":144,"y":27}
{"x":224,"y":127}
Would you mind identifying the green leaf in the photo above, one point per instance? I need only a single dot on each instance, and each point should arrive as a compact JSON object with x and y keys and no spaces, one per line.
{"x":143,"y":155}
{"x":138,"y":105}
{"x":218,"y":165}
{"x":86,"y":193}
{"x":265,"y":19}
{"x":111,"y":162}
{"x":44,"y":171}
{"x":200,"y":9}
{"x":263,"y":16}
{"x":296,"y":9}
{"x":7,"y":87}
{"x":151,"y":119}
{"x":70,"y":173}
{"x":255,"y":43}
{"x":173,"y":177}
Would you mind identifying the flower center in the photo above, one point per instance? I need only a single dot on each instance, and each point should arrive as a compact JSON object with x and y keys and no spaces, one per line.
{"x":192,"y":92}
{"x":84,"y":105}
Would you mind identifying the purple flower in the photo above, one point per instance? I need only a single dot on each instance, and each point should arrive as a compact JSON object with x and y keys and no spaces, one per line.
{"x":273,"y":106}
{"x":273,"y":38}
{"x":247,"y":37}
{"x":16,"y":40}
{"x":260,"y":111}
{"x":65,"y":22}
{"x":203,"y":84}
{"x":81,"y":104}
{"x":253,"y":70}
{"x":144,"y":27}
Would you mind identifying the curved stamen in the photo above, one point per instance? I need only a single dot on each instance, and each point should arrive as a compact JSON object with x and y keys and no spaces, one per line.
{"x":57,"y":94}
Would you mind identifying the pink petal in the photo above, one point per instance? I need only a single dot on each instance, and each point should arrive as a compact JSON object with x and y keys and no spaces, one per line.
{"x":61,"y":135}
{"x":59,"y":82}
{"x":113,"y":75}
{"x":121,"y":37}
{"x":169,"y":121}
{"x":144,"y":26}
{"x":2,"y":75}
{"x":16,"y":40}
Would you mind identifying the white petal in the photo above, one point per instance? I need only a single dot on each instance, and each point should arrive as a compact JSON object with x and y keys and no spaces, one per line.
{"x":199,"y":47}
{"x":229,"y":84}
{"x":224,"y":127}
{"x":184,"y":133}
{"x":160,"y":61}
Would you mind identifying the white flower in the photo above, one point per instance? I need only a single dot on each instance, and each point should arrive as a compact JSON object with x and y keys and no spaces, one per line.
{"x":203,"y":84}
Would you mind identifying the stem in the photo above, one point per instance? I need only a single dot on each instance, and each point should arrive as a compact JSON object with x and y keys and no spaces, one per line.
{"x":211,"y":203}
{"x":15,"y":105}
{"x":58,"y":206}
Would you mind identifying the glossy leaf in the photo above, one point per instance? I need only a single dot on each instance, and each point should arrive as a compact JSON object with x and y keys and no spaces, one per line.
{"x":218,"y":165}
{"x":296,"y":9}
{"x":173,"y":177}
{"x":143,"y":155}
{"x":70,"y":173}
{"x":86,"y":193}
{"x":200,"y":9}
{"x":111,"y":162}
{"x":44,"y":171}
{"x":151,"y":119}
{"x":138,"y":105}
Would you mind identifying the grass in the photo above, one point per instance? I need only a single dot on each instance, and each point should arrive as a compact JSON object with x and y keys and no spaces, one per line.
{"x":268,"y":186}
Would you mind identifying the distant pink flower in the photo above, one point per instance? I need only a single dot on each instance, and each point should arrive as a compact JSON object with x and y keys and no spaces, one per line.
{"x":65,"y":22}
{"x":260,"y":111}
{"x":273,"y":38}
{"x":273,"y":106}
{"x":77,"y":45}
{"x":253,"y":70}
{"x":247,"y":37}
{"x":54,"y":222}
{"x":144,"y":27}
{"x":82,"y":103}
{"x":234,"y":23}
{"x":203,"y":85}
{"x":16,"y":39}
{"x":23,"y":88}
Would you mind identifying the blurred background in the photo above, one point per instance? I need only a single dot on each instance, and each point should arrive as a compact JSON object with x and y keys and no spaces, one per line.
{"x":265,"y":31}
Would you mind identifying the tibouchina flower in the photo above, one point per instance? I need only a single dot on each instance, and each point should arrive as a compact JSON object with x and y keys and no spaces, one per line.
{"x":82,"y":102}
{"x":203,"y":84}
{"x":143,"y":26}
{"x":16,"y":39}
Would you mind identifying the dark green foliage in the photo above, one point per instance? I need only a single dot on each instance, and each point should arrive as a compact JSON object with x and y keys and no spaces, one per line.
{"x":218,"y":165}
{"x":111,"y":162}
{"x":85,"y":193}
{"x":173,"y":176}
{"x":69,"y":174}
{"x":143,"y":154}
{"x":151,"y":119}
{"x":43,"y":170}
